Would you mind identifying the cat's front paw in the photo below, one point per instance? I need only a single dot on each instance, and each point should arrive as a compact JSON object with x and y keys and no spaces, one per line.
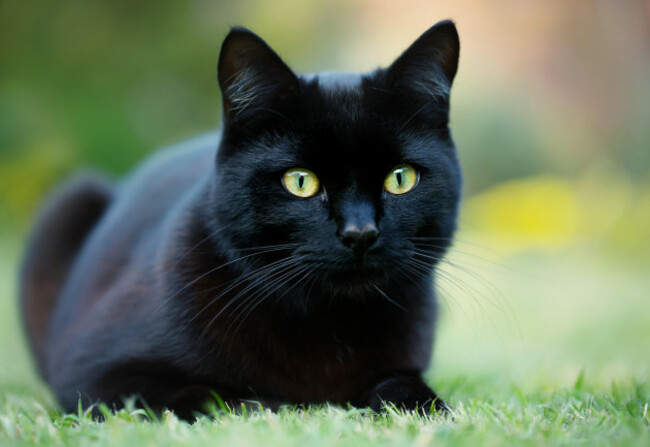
{"x":406,"y":393}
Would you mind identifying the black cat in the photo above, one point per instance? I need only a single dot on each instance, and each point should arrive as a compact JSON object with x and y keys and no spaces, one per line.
{"x":288,"y":259}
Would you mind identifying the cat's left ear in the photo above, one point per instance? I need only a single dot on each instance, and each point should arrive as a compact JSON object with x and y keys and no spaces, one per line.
{"x":429,"y":65}
{"x":252,"y":76}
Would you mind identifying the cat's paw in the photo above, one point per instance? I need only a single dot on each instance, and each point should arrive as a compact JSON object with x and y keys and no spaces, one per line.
{"x":405,"y":393}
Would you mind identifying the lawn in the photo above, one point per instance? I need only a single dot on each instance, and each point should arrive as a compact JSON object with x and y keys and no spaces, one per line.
{"x":544,"y":348}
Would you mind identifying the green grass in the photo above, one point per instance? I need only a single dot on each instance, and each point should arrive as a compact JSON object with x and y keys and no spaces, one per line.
{"x":618,"y":416}
{"x":546,"y":349}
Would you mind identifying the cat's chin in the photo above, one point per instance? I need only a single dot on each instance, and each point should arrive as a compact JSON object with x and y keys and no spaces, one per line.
{"x":354,"y":283}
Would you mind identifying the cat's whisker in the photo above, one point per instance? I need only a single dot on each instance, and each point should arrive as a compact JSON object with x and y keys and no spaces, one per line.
{"x":237,"y":279}
{"x":465,"y":289}
{"x":309,"y":269}
{"x":389,"y":299}
{"x":441,"y":272}
{"x":419,"y":273}
{"x":254,"y":278}
{"x":314,"y":280}
{"x":448,"y":297}
{"x":494,"y":296}
{"x":201,"y":242}
{"x":455,"y":242}
{"x":475,"y":296}
{"x":212,"y":270}
{"x":465,"y":253}
{"x":267,"y":282}
{"x":439,"y":258}
{"x":492,"y":290}
{"x":419,"y":265}
{"x":260,"y":296}
{"x":277,"y":278}
{"x":262,"y":271}
{"x":412,"y":269}
{"x":265,"y":247}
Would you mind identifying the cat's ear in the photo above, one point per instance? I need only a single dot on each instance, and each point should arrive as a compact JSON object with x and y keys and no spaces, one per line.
{"x":429,"y":65}
{"x":251,"y":75}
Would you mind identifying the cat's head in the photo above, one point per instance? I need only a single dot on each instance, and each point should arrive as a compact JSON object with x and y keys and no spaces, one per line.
{"x":344,"y":181}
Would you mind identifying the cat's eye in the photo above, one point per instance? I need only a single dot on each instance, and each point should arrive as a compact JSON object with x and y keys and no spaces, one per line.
{"x":301,"y":182}
{"x":401,"y":179}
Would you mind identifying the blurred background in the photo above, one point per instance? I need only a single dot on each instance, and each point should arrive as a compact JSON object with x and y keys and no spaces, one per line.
{"x":550,"y":112}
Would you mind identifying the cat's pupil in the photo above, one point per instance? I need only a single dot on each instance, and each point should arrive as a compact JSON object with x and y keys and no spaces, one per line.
{"x":398,"y":176}
{"x":301,"y":181}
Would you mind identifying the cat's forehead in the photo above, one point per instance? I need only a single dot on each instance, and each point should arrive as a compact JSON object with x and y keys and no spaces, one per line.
{"x":342,"y":119}
{"x":335,"y":81}
{"x":339,"y":121}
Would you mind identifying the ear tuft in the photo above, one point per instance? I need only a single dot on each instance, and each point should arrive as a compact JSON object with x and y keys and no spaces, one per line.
{"x":250,"y":74}
{"x":429,"y":65}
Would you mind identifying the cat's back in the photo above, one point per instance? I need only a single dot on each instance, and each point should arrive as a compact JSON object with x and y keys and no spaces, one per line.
{"x":125,"y":241}
{"x":156,"y":187}
{"x":152,"y":195}
{"x":92,"y":238}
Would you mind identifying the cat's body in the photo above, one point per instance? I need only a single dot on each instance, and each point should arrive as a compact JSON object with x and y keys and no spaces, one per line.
{"x":201,"y":272}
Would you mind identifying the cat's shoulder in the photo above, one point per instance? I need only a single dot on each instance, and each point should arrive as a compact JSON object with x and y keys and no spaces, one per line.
{"x":185,"y":159}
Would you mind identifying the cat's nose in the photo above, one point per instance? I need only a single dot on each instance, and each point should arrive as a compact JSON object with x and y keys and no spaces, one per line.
{"x":359,"y":239}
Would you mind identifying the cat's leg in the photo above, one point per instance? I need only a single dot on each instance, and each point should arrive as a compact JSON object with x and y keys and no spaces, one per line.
{"x":154,"y":393}
{"x":158,"y":387}
{"x":405,"y":391}
{"x":187,"y":402}
{"x":193,"y":400}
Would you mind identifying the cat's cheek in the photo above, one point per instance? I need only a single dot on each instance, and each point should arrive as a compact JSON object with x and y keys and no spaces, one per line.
{"x":406,"y":212}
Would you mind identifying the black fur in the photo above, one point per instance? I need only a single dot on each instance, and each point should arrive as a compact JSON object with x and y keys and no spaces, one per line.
{"x":201,"y":273}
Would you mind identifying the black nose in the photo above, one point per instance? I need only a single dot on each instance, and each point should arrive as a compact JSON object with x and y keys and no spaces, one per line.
{"x":359,"y":239}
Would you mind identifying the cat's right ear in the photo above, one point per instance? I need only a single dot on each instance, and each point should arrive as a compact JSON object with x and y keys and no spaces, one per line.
{"x":428,"y":67}
{"x":252,"y":77}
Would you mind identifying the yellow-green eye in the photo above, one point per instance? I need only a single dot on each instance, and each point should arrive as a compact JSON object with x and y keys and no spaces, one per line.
{"x":301,"y":182}
{"x":402,"y":178}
